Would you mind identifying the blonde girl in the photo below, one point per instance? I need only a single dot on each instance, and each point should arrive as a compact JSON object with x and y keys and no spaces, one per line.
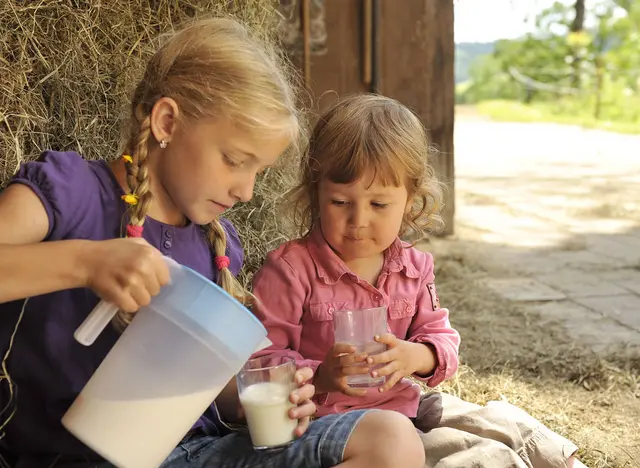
{"x":213,"y":110}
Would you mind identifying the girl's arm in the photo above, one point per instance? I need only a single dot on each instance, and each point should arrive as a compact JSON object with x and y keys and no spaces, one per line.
{"x":126,"y":272}
{"x":430,"y":326}
{"x":27,"y":266}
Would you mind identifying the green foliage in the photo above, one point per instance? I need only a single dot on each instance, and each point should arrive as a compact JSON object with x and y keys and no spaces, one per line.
{"x":466,"y":54}
{"x":594,"y":73}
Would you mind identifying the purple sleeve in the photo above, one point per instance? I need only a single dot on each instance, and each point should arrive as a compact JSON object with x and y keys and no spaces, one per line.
{"x":235,"y":252}
{"x":66,"y":187}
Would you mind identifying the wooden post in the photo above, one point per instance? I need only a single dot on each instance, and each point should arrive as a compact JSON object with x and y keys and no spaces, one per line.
{"x":417,"y":68}
{"x":367,"y":46}
{"x":340,"y":71}
{"x":306,"y":38}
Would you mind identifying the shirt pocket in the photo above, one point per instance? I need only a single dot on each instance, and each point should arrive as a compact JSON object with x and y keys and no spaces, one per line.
{"x":323,"y":311}
{"x":402,"y":308}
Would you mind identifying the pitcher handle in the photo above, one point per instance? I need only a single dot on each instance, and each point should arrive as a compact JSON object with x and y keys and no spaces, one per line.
{"x":95,"y":322}
{"x":103,"y":313}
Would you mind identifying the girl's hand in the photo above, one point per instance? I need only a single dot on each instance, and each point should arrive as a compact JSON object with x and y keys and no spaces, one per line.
{"x":402,"y":358}
{"x":126,"y":272}
{"x":341,"y":361}
{"x":302,"y":397}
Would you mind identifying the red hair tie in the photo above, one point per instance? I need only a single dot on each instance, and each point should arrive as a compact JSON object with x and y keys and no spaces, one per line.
{"x":134,"y":231}
{"x":222,"y":262}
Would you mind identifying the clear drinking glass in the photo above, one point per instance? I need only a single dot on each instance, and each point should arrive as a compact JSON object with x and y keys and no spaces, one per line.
{"x":264,"y":386}
{"x":357,"y":327}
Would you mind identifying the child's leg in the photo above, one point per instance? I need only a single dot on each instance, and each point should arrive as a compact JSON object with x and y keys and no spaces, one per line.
{"x":358,"y":439}
{"x":383,"y":439}
{"x":535,"y":444}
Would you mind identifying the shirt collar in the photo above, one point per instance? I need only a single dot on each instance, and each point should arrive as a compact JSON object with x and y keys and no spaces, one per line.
{"x":330,"y":268}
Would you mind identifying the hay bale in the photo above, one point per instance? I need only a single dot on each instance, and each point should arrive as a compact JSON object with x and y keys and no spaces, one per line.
{"x":67,"y":68}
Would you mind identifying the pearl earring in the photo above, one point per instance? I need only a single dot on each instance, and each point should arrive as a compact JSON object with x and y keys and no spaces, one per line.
{"x":163,"y":144}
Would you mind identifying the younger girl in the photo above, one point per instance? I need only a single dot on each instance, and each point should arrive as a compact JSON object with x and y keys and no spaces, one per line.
{"x":212,"y":111}
{"x":365,"y":182}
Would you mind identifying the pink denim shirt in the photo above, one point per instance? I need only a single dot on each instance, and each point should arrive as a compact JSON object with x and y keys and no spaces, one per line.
{"x":303,"y":282}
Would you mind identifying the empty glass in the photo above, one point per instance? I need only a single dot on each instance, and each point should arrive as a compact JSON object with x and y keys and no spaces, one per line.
{"x":358,"y":327}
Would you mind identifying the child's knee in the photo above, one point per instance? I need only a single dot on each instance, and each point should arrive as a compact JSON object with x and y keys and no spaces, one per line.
{"x":386,"y":439}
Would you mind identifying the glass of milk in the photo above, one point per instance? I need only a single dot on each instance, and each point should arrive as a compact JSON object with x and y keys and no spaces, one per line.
{"x":357,"y":327}
{"x":264,"y":387}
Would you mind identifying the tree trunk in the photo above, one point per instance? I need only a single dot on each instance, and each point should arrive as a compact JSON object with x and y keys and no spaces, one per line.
{"x":599,"y":79}
{"x":576,"y":27}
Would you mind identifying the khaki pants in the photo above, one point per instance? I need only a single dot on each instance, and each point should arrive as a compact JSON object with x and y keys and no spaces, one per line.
{"x":458,"y":434}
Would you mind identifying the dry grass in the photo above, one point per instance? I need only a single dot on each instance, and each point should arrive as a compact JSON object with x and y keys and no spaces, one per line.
{"x":261,"y":225}
{"x":506,"y":354}
{"x":67,"y":68}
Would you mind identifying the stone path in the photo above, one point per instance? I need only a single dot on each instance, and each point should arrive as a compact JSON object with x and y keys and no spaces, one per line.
{"x":555,"y":211}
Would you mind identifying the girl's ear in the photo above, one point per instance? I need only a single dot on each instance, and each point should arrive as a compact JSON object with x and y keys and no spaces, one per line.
{"x":164,"y":117}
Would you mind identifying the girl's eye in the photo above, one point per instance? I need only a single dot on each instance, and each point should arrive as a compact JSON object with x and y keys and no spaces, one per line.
{"x":338,"y":202}
{"x":230,"y":162}
{"x":379,"y":205}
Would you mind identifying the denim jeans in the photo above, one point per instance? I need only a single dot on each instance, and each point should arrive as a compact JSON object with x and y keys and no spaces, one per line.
{"x":321,"y":446}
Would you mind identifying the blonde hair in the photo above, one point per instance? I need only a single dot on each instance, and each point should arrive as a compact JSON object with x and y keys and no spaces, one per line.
{"x":366,"y":132}
{"x":211,"y":68}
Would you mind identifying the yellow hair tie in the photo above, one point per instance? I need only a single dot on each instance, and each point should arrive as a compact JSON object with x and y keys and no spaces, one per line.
{"x":130,"y":199}
{"x":127,"y":158}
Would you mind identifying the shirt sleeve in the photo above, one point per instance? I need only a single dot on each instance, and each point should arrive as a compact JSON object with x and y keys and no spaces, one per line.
{"x":430,"y":325}
{"x":235,"y":252}
{"x":67,"y":188}
{"x":280,"y":303}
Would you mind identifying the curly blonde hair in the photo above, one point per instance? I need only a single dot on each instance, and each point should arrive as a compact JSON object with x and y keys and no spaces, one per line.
{"x":366,"y":132}
{"x":212,"y":68}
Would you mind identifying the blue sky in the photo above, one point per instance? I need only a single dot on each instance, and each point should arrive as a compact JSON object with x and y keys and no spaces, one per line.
{"x":489,"y":20}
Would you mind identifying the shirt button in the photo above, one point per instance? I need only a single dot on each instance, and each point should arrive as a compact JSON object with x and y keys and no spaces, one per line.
{"x":331,"y":310}
{"x":168,"y":234}
{"x":408,"y":308}
{"x":377,"y":297}
{"x":167,"y":244}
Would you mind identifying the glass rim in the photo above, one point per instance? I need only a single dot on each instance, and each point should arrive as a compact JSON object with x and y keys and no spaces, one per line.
{"x":286,"y":360}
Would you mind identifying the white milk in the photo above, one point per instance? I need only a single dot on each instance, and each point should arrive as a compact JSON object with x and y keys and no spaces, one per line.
{"x":266,"y":406}
{"x":138,"y":433}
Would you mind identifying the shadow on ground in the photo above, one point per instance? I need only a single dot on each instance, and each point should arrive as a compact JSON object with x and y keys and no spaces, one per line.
{"x":549,"y":347}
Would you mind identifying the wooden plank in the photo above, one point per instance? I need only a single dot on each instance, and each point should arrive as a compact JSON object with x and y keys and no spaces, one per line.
{"x":417,"y":68}
{"x":306,"y":48}
{"x":339,"y":72}
{"x":367,"y":46}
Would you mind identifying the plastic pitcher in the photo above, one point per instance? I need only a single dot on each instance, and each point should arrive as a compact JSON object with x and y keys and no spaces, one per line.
{"x":165,"y":370}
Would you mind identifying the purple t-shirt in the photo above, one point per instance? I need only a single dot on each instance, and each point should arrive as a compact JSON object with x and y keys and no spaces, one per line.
{"x":49,"y":368}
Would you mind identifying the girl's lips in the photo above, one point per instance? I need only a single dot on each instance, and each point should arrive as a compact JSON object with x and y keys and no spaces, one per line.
{"x":224,"y":207}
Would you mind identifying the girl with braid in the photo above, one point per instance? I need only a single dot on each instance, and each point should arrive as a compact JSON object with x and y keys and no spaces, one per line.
{"x":213,"y":110}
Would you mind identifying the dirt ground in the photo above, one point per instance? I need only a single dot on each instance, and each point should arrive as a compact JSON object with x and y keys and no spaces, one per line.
{"x":509,"y":353}
{"x":542,"y":278}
